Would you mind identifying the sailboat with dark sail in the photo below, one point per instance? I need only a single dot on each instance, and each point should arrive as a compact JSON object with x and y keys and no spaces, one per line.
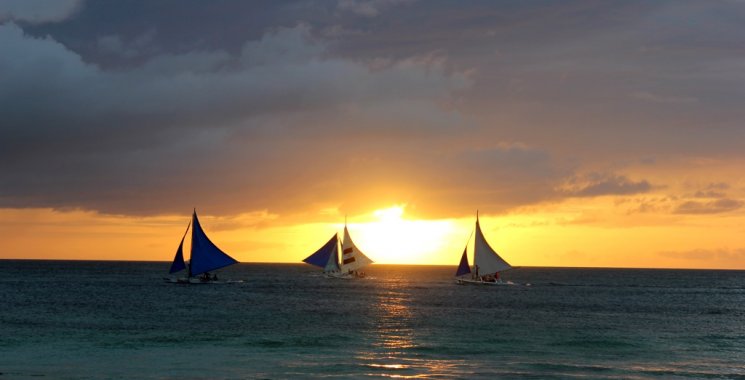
{"x":487,"y":263}
{"x":327,"y":257}
{"x":205,"y":258}
{"x":352,"y":260}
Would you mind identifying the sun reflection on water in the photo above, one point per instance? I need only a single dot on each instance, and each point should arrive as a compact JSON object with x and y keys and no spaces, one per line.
{"x":393,"y":352}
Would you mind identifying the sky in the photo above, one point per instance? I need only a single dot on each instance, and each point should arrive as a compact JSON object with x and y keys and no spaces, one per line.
{"x":586,"y":133}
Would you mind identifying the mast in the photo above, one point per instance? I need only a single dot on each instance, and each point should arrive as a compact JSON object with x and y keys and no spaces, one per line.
{"x":193,"y":240}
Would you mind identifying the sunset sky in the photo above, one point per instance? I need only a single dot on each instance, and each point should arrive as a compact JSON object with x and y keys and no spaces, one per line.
{"x":586,"y":133}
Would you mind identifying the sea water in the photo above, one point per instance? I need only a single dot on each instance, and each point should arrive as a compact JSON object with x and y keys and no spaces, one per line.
{"x":120,"y":320}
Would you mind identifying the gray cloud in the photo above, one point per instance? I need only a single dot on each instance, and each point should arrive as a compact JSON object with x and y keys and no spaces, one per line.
{"x":710,"y":207}
{"x":368,"y":8}
{"x":655,"y":98}
{"x":712,"y":256}
{"x":718,"y":186}
{"x":709,"y":194}
{"x":598,"y":184}
{"x":648,"y":204}
{"x":38,"y":11}
{"x":124,"y":141}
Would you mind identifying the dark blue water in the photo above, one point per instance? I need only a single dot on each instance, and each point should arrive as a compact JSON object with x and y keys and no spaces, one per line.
{"x":81,"y":320}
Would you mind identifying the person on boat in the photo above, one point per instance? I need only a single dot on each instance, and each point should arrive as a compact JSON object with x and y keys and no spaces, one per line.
{"x":475,"y":275}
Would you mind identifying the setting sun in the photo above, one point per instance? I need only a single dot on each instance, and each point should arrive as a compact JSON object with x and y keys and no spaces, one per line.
{"x":391,"y":239}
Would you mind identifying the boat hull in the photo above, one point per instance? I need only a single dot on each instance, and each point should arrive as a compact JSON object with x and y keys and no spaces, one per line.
{"x":198,"y":281}
{"x":345,"y":275}
{"x":468,"y":281}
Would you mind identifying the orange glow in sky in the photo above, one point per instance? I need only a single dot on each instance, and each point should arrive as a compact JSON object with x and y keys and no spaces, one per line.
{"x":600,"y":232}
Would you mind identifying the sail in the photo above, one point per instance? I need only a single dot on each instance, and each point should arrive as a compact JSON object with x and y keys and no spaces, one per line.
{"x":205,"y":256}
{"x":352,"y":258}
{"x":326,"y":257}
{"x":178,"y":260}
{"x":463,"y":268}
{"x":487,"y":260}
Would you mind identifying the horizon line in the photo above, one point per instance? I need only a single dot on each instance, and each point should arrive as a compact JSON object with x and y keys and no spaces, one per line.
{"x":381,"y":264}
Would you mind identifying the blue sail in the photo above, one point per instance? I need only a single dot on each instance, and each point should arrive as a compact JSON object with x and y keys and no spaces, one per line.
{"x":326,"y":257}
{"x":463,"y":268}
{"x":205,"y":256}
{"x":178,"y":260}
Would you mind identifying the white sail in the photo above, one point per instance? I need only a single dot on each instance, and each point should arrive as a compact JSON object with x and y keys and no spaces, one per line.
{"x":484,"y":257}
{"x":351,"y":259}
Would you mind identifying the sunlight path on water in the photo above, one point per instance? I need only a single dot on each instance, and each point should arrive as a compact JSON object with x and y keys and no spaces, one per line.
{"x":392,"y":351}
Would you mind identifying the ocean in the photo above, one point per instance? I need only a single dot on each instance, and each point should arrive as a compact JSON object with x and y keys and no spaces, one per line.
{"x":120,"y":320}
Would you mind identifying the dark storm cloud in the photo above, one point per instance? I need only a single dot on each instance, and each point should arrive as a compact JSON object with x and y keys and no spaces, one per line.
{"x":145,"y":107}
{"x":114,"y":140}
{"x":585,"y":78}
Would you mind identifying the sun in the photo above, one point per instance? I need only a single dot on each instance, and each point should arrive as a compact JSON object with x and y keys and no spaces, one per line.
{"x":391,"y":214}
{"x":390,"y":238}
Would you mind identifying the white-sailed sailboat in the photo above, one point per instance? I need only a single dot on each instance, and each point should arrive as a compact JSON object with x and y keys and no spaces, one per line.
{"x":205,"y":257}
{"x":352,"y":260}
{"x":487,"y":263}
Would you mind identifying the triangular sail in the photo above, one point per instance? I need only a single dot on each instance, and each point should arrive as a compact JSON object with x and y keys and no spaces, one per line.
{"x":487,"y":260}
{"x":352,"y":258}
{"x":205,"y":256}
{"x":463,"y":268}
{"x":178,"y":260}
{"x":326,"y":257}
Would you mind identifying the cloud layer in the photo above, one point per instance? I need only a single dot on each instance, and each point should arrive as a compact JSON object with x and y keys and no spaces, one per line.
{"x":38,"y":11}
{"x":302,"y":106}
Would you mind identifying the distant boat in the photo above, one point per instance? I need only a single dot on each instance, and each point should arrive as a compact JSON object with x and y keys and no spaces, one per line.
{"x":205,"y":258}
{"x":352,"y":260}
{"x":487,"y":263}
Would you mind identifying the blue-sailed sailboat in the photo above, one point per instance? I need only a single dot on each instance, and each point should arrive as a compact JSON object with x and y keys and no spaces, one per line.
{"x":327,"y":257}
{"x":205,"y":257}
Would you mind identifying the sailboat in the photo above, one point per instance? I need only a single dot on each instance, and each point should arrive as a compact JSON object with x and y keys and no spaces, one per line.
{"x":352,"y":260}
{"x":327,"y":257}
{"x":205,"y":257}
{"x":487,"y":263}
